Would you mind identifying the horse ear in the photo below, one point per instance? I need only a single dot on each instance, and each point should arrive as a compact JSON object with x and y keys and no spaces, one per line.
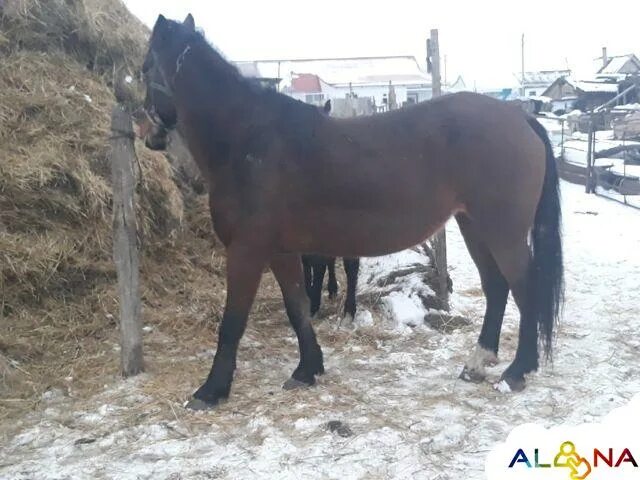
{"x":161,"y":22}
{"x":190,"y":23}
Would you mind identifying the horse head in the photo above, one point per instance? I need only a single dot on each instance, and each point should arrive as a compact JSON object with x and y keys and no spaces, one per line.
{"x":168,"y":47}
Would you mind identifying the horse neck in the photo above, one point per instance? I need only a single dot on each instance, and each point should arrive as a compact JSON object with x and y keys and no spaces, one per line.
{"x":215,"y":109}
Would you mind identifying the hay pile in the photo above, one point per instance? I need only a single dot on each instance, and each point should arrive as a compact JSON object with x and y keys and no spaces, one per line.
{"x":57,"y":293}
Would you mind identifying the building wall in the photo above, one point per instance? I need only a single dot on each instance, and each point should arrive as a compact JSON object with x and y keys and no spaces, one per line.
{"x":560,"y":90}
{"x":630,"y":68}
{"x":534,"y":90}
{"x":377,"y":93}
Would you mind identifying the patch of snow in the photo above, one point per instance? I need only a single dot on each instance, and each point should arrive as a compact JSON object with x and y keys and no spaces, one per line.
{"x":363,"y":318}
{"x":406,"y":310}
{"x":397,"y":281}
{"x":502,"y":387}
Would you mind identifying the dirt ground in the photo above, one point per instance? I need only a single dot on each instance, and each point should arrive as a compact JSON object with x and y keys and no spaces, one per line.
{"x":403,"y":411}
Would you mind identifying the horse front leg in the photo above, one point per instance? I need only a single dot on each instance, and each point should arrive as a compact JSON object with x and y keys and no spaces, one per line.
{"x":288,"y":273}
{"x":244,"y":268}
{"x":332,"y":285}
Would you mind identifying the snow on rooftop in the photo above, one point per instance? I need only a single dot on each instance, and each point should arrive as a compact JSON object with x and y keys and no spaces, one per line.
{"x":543,"y":77}
{"x":597,"y":87}
{"x":593,"y":86}
{"x":617,"y":64}
{"x":248,"y":69}
{"x":401,"y":70}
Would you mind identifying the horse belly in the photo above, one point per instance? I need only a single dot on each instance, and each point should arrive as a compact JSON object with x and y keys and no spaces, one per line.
{"x":372,"y":233}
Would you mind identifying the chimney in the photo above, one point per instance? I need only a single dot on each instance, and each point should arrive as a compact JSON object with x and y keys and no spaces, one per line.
{"x":605,"y":59}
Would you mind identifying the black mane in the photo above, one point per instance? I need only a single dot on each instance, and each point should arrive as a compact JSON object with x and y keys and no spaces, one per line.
{"x":270,"y":110}
{"x":225,"y":72}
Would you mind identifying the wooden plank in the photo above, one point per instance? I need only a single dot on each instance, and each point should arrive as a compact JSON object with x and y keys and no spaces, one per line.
{"x":125,"y":250}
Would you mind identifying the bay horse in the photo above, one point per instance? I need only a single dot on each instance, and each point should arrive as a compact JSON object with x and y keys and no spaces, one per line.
{"x":315,"y":266}
{"x":286,"y":180}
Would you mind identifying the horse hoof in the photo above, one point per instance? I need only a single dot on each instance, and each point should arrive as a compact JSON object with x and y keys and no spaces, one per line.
{"x":199,"y":405}
{"x":491,"y":362}
{"x":293,"y":384}
{"x":471,"y":376}
{"x":510,"y":384}
{"x":347,"y":320}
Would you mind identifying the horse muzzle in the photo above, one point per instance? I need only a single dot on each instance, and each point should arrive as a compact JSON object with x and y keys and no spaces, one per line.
{"x":156,"y":141}
{"x":155,"y":136}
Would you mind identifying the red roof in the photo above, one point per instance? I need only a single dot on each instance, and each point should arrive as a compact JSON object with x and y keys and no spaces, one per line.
{"x":305,"y":83}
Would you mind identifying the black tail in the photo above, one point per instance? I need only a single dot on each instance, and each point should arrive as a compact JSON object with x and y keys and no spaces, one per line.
{"x":546,"y":275}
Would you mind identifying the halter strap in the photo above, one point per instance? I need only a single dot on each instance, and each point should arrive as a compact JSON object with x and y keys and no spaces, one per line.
{"x":165,"y":87}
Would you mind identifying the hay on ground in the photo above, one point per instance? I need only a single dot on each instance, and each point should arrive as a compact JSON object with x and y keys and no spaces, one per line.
{"x":58,"y":302}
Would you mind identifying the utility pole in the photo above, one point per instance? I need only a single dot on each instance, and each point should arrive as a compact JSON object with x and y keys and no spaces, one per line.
{"x":522,"y":92}
{"x":439,"y":240}
{"x":433,"y":63}
{"x":445,"y":71}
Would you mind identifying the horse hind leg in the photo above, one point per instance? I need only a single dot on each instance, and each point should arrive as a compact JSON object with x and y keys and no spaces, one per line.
{"x":514,"y":262}
{"x":351,"y":268}
{"x":496,"y":291}
{"x":332,"y":284}
{"x":319,"y":267}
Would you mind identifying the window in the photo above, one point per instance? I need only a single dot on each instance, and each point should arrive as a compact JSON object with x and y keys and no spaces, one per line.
{"x":314,"y":98}
{"x":532,"y":93}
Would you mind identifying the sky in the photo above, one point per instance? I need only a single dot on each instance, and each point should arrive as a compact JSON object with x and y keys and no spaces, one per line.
{"x":480,"y":39}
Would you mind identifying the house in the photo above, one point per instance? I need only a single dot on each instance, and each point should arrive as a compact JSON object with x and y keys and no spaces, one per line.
{"x":532,"y":84}
{"x":327,"y":78}
{"x":499,"y":93}
{"x":568,"y":94}
{"x":458,"y":85}
{"x":620,"y":66}
{"x":250,"y":70}
{"x":308,"y":88}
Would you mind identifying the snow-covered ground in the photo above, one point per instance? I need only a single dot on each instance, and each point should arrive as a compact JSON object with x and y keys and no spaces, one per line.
{"x":396,"y":389}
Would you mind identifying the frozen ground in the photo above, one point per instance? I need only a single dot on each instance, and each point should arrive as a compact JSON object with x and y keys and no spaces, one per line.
{"x":394,"y":386}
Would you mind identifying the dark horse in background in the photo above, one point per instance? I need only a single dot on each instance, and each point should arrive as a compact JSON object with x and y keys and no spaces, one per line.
{"x":284,"y":179}
{"x":315,"y":266}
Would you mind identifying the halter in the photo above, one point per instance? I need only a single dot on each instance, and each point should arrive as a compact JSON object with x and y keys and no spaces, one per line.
{"x":164,"y":87}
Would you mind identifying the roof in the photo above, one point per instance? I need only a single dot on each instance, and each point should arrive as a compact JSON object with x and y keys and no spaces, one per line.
{"x":458,"y":86}
{"x":594,"y":85}
{"x":588,"y":86}
{"x":305,"y":83}
{"x":248,"y":69}
{"x":400,"y":70}
{"x":621,"y":64}
{"x":542,"y":77}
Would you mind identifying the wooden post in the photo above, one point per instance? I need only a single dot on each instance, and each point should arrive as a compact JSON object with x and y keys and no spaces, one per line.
{"x":125,"y":251}
{"x":439,"y":240}
{"x":587,"y":186}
